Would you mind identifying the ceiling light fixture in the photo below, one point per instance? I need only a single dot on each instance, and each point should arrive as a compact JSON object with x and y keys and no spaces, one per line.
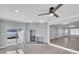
{"x":16,"y":11}
{"x":51,"y":14}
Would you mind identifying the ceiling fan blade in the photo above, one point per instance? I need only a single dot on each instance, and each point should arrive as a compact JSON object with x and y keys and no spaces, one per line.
{"x":43,"y":14}
{"x":55,"y":15}
{"x":57,"y":7}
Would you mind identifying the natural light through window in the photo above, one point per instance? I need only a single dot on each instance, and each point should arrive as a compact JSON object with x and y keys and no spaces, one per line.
{"x":74,"y":31}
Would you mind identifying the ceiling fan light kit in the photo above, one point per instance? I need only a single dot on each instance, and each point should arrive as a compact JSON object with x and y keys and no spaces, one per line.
{"x":52,"y":11}
{"x":51,"y":14}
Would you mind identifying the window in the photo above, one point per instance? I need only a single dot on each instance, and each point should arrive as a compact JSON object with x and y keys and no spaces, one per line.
{"x":74,"y":31}
{"x":11,"y":33}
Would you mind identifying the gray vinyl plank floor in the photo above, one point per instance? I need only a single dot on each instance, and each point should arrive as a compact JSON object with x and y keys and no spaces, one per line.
{"x":68,"y":42}
{"x":35,"y":49}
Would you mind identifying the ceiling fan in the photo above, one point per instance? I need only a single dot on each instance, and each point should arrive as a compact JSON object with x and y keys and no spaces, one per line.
{"x":52,"y":11}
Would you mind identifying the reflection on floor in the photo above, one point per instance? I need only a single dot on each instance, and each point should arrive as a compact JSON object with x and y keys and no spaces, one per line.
{"x":38,"y":42}
{"x":68,"y":42}
{"x":33,"y":49}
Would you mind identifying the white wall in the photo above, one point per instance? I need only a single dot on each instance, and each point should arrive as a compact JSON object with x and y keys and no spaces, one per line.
{"x":41,"y":30}
{"x":59,"y":32}
{"x":52,"y":31}
{"x":0,"y":33}
{"x":56,"y":32}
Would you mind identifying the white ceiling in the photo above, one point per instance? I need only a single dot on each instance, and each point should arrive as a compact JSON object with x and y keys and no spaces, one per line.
{"x":29,"y":12}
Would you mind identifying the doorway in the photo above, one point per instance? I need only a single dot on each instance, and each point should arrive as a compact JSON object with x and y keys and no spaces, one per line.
{"x":32,"y":36}
{"x":14,"y":36}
